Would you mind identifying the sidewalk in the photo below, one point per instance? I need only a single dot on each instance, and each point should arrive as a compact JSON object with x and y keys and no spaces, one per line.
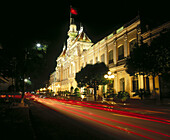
{"x":14,"y":121}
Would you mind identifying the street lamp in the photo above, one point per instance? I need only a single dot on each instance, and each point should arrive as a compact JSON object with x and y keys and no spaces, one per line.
{"x":38,"y":45}
{"x":49,"y":88}
{"x":25,"y":80}
{"x":109,"y":75}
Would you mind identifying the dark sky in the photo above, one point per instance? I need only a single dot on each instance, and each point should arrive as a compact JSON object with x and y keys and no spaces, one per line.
{"x":26,"y":22}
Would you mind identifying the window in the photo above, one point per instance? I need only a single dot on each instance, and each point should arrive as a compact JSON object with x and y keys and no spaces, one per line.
{"x":122,"y":84}
{"x":96,"y":59}
{"x":102,"y":58}
{"x":110,"y":56}
{"x":91,"y":61}
{"x":135,"y":83}
{"x":121,"y":52}
{"x":147,"y":84}
{"x":82,"y":65}
{"x":132,"y":44}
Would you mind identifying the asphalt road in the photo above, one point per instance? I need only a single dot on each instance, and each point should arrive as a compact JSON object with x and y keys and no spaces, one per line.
{"x":54,"y":125}
{"x":54,"y":119}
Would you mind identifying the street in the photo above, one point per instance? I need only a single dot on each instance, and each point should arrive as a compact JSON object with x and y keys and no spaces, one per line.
{"x":59,"y":119}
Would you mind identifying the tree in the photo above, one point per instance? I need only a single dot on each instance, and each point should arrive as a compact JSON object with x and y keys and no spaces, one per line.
{"x":138,"y":59}
{"x":92,"y":76}
{"x":31,"y":62}
{"x":160,"y":56}
{"x":6,"y":66}
{"x":160,"y":52}
{"x":28,"y":61}
{"x":151,"y":60}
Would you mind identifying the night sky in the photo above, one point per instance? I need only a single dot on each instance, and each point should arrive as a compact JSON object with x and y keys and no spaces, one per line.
{"x":25,"y":22}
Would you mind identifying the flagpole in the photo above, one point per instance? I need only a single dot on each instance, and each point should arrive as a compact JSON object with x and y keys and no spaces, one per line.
{"x":70,"y":15}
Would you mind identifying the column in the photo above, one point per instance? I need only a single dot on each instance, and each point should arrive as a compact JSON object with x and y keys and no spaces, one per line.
{"x":75,"y":66}
{"x":79,"y":65}
{"x":151,"y":83}
{"x":70,"y":70}
{"x":106,"y":54}
{"x":125,"y":45}
{"x":99,"y":59}
{"x":94,"y":60}
{"x":116,"y":83}
{"x":157,"y":89}
{"x":114,"y":52}
{"x":127,"y":83}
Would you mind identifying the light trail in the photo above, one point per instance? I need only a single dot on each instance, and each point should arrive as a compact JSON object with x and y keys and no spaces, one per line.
{"x":118,"y":122}
{"x":83,"y":116}
{"x":11,"y":96}
{"x":68,"y":109}
{"x":131,"y":114}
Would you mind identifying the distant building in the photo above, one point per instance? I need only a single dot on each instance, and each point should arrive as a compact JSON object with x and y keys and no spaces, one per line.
{"x":112,"y":50}
{"x":5,"y":82}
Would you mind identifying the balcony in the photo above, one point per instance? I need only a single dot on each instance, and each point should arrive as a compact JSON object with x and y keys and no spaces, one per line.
{"x":121,"y":62}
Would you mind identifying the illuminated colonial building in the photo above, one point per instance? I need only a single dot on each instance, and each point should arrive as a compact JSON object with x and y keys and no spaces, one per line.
{"x":112,"y":50}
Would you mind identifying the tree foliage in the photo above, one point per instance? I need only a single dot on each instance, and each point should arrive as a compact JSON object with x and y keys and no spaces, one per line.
{"x":160,"y":53}
{"x":6,"y":66}
{"x":153,"y":59}
{"x":92,"y":75}
{"x":150,"y":59}
{"x":137,"y":61}
{"x":24,"y":63}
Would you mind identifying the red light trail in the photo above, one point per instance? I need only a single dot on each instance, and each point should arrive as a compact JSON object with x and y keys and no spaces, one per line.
{"x":56,"y":105}
{"x":53,"y":103}
{"x":131,"y":114}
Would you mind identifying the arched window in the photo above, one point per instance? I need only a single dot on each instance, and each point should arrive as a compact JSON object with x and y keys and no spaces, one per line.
{"x":96,"y":59}
{"x":122,"y":84}
{"x":135,"y":83}
{"x":132,"y":44}
{"x":121,"y":52}
{"x":110,"y":56}
{"x":91,"y":61}
{"x":103,"y":58}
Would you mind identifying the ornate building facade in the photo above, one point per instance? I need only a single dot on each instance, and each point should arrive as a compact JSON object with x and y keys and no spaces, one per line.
{"x":112,"y":50}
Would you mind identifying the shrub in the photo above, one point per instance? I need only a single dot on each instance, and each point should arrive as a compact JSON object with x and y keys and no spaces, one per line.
{"x":142,"y":93}
{"x":85,"y":91}
{"x":123,"y":96}
{"x":76,"y":92}
{"x":111,"y":96}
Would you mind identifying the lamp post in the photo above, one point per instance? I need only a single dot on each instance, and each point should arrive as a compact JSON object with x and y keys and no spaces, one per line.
{"x":38,"y":45}
{"x":109,"y":76}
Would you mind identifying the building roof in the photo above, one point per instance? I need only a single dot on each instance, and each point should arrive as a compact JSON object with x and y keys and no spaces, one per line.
{"x":82,"y":37}
{"x":63,"y":52}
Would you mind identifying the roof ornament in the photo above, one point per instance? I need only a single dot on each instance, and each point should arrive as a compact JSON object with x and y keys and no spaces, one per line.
{"x":84,"y":37}
{"x":81,"y":28}
{"x":64,"y":47}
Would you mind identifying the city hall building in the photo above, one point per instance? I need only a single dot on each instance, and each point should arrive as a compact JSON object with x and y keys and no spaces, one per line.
{"x":112,"y":50}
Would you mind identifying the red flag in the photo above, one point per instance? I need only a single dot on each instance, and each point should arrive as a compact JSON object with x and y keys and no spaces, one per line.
{"x":73,"y":11}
